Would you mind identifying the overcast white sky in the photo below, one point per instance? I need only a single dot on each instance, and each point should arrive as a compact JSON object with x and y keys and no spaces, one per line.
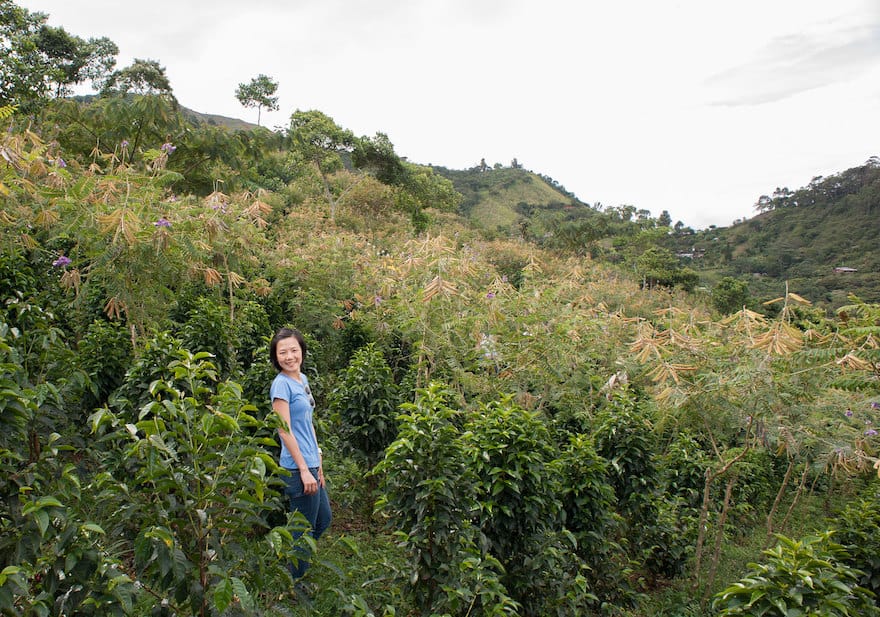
{"x":697,"y":107}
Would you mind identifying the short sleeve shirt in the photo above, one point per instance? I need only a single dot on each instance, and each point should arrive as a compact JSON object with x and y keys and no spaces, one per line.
{"x":302,"y":405}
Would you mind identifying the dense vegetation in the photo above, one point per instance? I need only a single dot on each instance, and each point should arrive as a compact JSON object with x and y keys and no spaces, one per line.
{"x":821,"y":238}
{"x":512,"y":425}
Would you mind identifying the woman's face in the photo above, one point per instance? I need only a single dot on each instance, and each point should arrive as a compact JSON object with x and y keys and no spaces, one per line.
{"x":289,"y":355}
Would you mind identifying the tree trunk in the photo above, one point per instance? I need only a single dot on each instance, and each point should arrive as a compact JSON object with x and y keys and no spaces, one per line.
{"x":776,"y":501}
{"x":719,"y":538}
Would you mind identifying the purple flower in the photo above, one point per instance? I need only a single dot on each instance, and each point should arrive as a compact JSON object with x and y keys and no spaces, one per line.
{"x":875,"y":405}
{"x":377,"y":300}
{"x":168,"y":148}
{"x":490,"y":295}
{"x":848,"y":413}
{"x":870,"y":432}
{"x":162,"y":222}
{"x":62,"y":262}
{"x":124,"y":143}
{"x":59,"y":162}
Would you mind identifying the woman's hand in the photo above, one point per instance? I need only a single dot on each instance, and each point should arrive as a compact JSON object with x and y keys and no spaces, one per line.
{"x":310,"y":484}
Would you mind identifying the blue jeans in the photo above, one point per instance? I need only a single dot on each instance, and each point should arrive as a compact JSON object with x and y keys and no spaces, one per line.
{"x":316,"y":509}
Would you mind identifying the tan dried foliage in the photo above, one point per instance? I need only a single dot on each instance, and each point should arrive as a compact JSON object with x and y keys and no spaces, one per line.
{"x":438,"y":287}
{"x":217,"y":200}
{"x":666,"y":371}
{"x":28,"y":242}
{"x":162,"y":239}
{"x":256,"y":211}
{"x":212,"y":277}
{"x":853,"y":362}
{"x":71,"y":279}
{"x":261,"y":287}
{"x":780,"y":340}
{"x":235,"y":279}
{"x":115,"y":308}
{"x":46,"y":218}
{"x":122,"y":222}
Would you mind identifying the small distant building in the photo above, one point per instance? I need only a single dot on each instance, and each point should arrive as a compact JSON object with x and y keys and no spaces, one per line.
{"x":844,"y":270}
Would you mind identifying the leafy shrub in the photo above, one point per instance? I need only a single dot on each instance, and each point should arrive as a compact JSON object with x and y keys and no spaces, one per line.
{"x":52,"y":560}
{"x":758,"y":479}
{"x":624,"y":437}
{"x":429,"y":494}
{"x":105,"y":353}
{"x":730,"y":295}
{"x":366,"y":401}
{"x":519,"y":489}
{"x":858,"y":529}
{"x":191,"y":488}
{"x":208,"y":329}
{"x":682,"y":469}
{"x":589,"y":504}
{"x":250,"y":329}
{"x":807,"y":577}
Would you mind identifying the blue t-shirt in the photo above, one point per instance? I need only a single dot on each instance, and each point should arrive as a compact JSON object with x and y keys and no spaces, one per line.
{"x":302,"y":405}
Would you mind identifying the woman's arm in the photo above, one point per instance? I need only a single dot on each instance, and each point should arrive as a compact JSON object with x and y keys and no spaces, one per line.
{"x":282,"y":408}
{"x":320,"y":459}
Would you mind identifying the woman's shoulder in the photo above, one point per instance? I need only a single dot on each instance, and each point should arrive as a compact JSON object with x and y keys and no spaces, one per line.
{"x":282,"y":383}
{"x":290,"y":382}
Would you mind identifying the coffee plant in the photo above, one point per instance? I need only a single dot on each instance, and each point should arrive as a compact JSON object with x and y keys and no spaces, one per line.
{"x":799,"y":578}
{"x":366,"y":401}
{"x":52,"y":560}
{"x":429,"y":497}
{"x":192,"y":485}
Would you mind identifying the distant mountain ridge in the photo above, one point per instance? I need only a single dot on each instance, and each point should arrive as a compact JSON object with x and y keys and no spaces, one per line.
{"x":501,"y":199}
{"x":217,"y":120}
{"x":824,"y":239}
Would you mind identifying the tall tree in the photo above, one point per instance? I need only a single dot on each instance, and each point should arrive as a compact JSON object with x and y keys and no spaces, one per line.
{"x":258,"y":93}
{"x":71,"y":60}
{"x":320,"y":141}
{"x":37,"y":60}
{"x":141,"y":77}
{"x":664,"y":220}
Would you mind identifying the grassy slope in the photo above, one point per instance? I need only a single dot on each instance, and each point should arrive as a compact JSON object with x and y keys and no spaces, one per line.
{"x":494,"y":199}
{"x":831,"y":223}
{"x":216,"y":120}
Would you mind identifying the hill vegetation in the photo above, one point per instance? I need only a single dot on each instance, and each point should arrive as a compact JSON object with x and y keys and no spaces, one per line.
{"x":531,"y":415}
{"x":820,"y":238}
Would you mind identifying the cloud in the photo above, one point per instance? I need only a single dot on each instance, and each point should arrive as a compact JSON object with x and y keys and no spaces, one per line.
{"x":795,"y":63}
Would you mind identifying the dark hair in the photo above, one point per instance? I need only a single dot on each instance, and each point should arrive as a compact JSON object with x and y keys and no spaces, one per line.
{"x":282,"y":334}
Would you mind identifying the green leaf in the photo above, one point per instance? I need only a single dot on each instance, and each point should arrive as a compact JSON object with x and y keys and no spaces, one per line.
{"x":241,"y":591}
{"x":42,"y":519}
{"x":7,"y":572}
{"x":93,"y":527}
{"x":223,"y":594}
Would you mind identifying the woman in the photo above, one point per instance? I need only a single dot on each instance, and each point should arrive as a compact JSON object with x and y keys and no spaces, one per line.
{"x":292,"y":400}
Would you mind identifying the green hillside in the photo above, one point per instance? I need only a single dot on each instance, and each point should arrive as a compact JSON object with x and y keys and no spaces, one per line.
{"x":821,"y":238}
{"x":500,"y":199}
{"x":234,"y":124}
